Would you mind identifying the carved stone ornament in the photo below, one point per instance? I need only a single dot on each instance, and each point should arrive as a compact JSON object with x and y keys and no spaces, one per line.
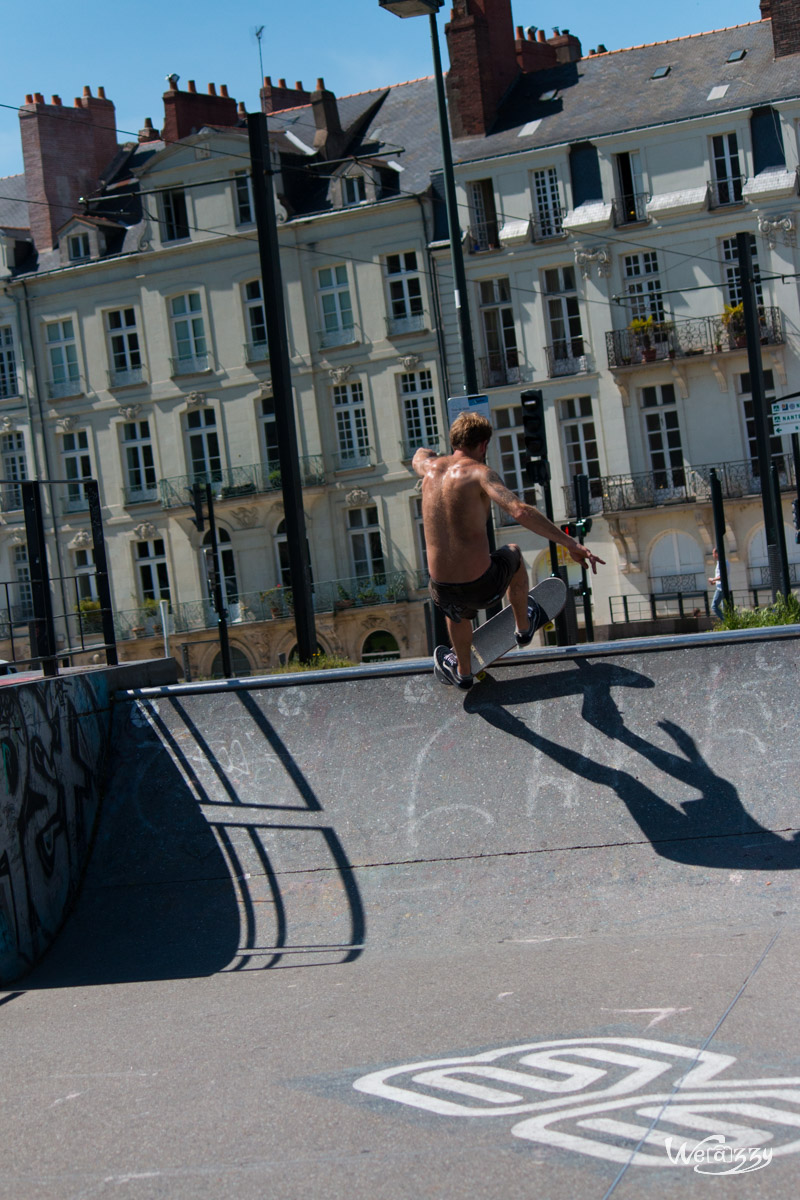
{"x":771,"y":227}
{"x":81,"y":541}
{"x":598,"y":255}
{"x":7,"y":424}
{"x":195,"y":399}
{"x":66,"y":425}
{"x":131,"y":411}
{"x":409,"y":361}
{"x":16,"y":538}
{"x":340,"y":374}
{"x":245,"y":518}
{"x":145,"y":532}
{"x":357,"y":496}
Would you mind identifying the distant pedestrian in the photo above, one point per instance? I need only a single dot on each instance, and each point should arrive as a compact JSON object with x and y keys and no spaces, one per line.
{"x":716,"y":603}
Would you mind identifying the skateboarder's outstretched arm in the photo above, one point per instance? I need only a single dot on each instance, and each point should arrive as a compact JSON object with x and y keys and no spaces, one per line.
{"x":530,"y":518}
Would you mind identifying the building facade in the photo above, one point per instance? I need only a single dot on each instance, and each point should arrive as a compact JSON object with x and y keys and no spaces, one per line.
{"x":600,"y":200}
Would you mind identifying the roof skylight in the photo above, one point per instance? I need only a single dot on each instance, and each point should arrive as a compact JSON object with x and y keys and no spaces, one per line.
{"x":736,"y":55}
{"x":661,"y":72}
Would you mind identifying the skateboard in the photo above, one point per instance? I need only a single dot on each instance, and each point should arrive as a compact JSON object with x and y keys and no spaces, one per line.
{"x":495,"y":637}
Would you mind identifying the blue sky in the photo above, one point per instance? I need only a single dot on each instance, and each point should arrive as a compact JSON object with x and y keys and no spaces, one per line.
{"x":353,"y":44}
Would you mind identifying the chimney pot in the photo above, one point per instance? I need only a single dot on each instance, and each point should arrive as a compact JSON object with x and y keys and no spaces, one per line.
{"x":101,"y":92}
{"x":541,"y":36}
{"x":241,"y":110}
{"x":520,"y":32}
{"x":56,"y":100}
{"x":223,"y":89}
{"x":298,"y":86}
{"x":267,"y":81}
{"x":282,"y":83}
{"x":38,"y":98}
{"x":191,"y":86}
{"x":320,"y":85}
{"x":212,"y":89}
{"x":28,"y":98}
{"x":87,"y":91}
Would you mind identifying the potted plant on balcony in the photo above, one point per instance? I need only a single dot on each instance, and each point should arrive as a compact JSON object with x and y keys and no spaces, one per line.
{"x":733,"y":320}
{"x":344,"y":600}
{"x":642,"y":329}
{"x":91,"y":618}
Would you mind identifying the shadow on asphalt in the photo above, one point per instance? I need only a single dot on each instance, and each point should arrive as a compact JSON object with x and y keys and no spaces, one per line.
{"x":714,"y":830}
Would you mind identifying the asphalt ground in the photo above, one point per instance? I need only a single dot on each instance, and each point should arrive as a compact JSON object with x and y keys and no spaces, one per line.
{"x":370,"y":936}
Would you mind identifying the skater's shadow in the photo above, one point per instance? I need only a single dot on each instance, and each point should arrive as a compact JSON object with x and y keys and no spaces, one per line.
{"x":712,"y":829}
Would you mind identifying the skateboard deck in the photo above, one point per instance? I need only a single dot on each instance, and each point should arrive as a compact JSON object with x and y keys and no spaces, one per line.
{"x":495,"y":637}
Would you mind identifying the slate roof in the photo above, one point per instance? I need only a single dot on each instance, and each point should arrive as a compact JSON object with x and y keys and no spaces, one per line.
{"x":14,"y":203}
{"x":614,"y":92}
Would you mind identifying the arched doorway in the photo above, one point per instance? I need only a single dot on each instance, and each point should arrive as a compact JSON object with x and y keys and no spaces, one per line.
{"x":380,"y":646}
{"x":677,"y":564}
{"x":240,"y":664}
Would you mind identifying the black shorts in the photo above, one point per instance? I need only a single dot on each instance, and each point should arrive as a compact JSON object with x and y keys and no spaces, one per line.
{"x":457,"y":600}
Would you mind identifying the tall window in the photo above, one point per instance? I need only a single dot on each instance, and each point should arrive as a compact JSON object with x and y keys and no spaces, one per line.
{"x":419,"y":411}
{"x":404,"y":289}
{"x":140,"y":471}
{"x":354,"y":189}
{"x":269,"y":432}
{"x":174,"y":215}
{"x":580,"y":442}
{"x":643,"y":285}
{"x":282,"y":553}
{"x":511,"y":446}
{"x":23,"y":609}
{"x":728,"y":178}
{"x":245,"y":208}
{"x":257,"y":349}
{"x":565,"y":352}
{"x":547,"y":214}
{"x":123,"y":346}
{"x":631,"y":203}
{"x":497,"y":317}
{"x":365,"y":543}
{"x":78,"y":247}
{"x":422,"y":549}
{"x":62,"y":356}
{"x":85,"y":573}
{"x":226,"y":566}
{"x":188,"y":334}
{"x":733,"y":278}
{"x":663,"y":435}
{"x":775,"y":444}
{"x":335,"y":306}
{"x":13,"y":469}
{"x":151,"y":564}
{"x":201,"y":425}
{"x":77,"y":466}
{"x":351,"y":425}
{"x":483,"y":216}
{"x":8,"y":364}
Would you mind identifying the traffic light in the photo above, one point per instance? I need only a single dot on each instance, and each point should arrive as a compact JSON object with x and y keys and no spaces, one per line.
{"x":199,"y":519}
{"x":570,"y":528}
{"x":537,"y":467}
{"x":796,"y":518}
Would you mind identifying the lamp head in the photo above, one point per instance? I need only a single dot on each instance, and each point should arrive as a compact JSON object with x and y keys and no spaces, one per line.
{"x":412,"y":8}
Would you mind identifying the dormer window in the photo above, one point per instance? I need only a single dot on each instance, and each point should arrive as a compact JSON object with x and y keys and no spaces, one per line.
{"x":78,"y":247}
{"x":174,"y":215}
{"x":354,"y":189}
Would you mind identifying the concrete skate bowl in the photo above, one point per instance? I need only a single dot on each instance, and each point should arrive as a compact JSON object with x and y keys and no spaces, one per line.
{"x":288,"y":823}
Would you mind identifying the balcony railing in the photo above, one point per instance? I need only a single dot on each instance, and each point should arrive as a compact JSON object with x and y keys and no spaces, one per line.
{"x":412,"y":323}
{"x":483,"y":236}
{"x":687,"y":338}
{"x":190,"y":364}
{"x":567,"y":357}
{"x":10,"y":497}
{"x":141,"y":495}
{"x":725,"y":192}
{"x":357,"y":459}
{"x":500,"y":368}
{"x":631,"y":209}
{"x":127,"y":377}
{"x":410,"y":445}
{"x":548,"y":225}
{"x":58,"y":389}
{"x":231,"y":483}
{"x":690,"y":483}
{"x":342,"y":335}
{"x":256,"y":352}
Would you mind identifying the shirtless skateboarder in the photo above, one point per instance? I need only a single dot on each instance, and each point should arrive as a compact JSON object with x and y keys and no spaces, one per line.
{"x":457,"y":490}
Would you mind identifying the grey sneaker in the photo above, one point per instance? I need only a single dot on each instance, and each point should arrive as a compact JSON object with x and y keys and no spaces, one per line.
{"x":445,"y":668}
{"x":537,"y":617}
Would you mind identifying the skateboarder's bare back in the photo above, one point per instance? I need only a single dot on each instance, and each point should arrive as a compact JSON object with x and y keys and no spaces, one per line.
{"x":464,"y":577}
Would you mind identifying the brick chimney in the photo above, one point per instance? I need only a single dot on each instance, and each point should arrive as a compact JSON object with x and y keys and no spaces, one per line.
{"x":533,"y":52}
{"x":483,"y":63}
{"x":276,"y":99}
{"x":566,"y":46}
{"x":187,"y":112}
{"x":329,"y":140}
{"x":65,"y":152}
{"x":785,"y":17}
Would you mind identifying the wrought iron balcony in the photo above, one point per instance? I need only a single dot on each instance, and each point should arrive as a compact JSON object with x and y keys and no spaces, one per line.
{"x":256,"y":352}
{"x":190,"y":364}
{"x":410,"y":445}
{"x":483,"y":236}
{"x":10,"y":497}
{"x":411,"y":323}
{"x":126,"y":377}
{"x":548,"y":225}
{"x":687,"y":338}
{"x":689,"y":483}
{"x":500,"y":368}
{"x":342,"y":335}
{"x":724,"y":193}
{"x":141,"y":494}
{"x":59,"y":389}
{"x":631,"y":209}
{"x":566,"y":357}
{"x":231,"y":483}
{"x":358,"y":459}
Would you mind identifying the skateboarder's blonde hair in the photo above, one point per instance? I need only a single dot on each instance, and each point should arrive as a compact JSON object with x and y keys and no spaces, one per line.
{"x":470,"y":429}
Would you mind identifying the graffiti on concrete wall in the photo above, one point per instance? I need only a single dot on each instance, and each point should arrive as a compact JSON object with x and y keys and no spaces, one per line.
{"x":52,"y":739}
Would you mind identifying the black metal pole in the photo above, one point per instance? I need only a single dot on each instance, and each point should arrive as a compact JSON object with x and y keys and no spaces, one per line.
{"x":275,"y":316}
{"x":582,"y":507}
{"x":718,"y":513}
{"x":786,"y":585}
{"x":760,"y":415}
{"x":92,"y":491}
{"x":40,"y":580}
{"x":562,"y":634}
{"x":216,"y":589}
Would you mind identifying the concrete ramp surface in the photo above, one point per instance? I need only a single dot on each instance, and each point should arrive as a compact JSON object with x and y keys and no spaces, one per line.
{"x":411,"y":883}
